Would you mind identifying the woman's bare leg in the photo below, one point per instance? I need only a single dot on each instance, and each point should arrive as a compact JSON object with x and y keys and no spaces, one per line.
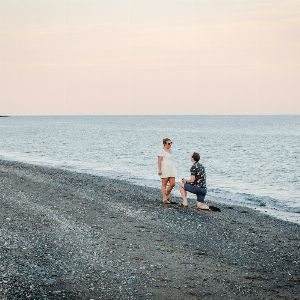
{"x":171,"y":186}
{"x":164,"y":182}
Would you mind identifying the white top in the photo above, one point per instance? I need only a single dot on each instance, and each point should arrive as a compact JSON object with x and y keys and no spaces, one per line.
{"x":167,"y":165}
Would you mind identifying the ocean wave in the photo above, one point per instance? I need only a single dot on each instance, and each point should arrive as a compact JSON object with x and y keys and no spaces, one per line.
{"x":254,"y":200}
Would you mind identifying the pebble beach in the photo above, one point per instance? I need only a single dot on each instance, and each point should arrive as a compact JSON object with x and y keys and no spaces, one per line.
{"x":68,"y":235}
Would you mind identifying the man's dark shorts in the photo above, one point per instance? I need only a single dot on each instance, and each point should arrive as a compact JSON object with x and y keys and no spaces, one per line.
{"x":195,"y":189}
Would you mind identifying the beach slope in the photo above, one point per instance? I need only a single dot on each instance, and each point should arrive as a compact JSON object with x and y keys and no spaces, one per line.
{"x":66,"y":235}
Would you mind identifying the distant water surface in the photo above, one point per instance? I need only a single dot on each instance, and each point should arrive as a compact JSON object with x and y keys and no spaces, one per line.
{"x":250,"y":160}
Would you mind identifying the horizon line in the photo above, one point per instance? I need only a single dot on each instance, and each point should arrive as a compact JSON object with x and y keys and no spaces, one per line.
{"x":139,"y":115}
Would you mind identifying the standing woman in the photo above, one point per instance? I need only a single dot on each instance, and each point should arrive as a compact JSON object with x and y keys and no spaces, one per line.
{"x":166,"y":170}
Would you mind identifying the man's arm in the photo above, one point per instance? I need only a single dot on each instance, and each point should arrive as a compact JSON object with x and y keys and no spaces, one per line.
{"x":191,"y":180}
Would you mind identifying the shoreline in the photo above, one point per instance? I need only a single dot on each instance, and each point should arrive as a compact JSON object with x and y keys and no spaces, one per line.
{"x":291,"y":217}
{"x":73,"y":235}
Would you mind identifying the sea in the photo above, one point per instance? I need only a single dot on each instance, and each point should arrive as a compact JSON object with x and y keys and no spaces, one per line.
{"x":251,"y":161}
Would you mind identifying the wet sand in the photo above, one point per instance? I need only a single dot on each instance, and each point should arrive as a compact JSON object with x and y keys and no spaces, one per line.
{"x":66,"y":235}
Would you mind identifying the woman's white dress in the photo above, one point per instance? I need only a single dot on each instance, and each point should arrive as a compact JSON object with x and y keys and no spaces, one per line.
{"x":167,"y":165}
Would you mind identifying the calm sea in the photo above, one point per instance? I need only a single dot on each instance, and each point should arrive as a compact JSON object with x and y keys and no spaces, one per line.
{"x":250,"y":160}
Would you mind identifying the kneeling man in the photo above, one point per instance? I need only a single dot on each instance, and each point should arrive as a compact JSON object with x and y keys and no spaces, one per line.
{"x":196,"y":184}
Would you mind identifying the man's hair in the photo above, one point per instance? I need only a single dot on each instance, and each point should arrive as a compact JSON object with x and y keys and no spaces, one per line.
{"x":165,"y":140}
{"x":196,"y":156}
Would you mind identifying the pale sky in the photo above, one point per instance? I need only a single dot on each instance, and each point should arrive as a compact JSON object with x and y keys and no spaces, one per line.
{"x":149,"y":57}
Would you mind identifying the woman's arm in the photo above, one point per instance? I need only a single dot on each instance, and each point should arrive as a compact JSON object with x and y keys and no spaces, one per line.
{"x":160,"y":158}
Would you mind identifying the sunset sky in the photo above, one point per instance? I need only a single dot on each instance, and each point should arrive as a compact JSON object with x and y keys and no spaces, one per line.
{"x":149,"y":57}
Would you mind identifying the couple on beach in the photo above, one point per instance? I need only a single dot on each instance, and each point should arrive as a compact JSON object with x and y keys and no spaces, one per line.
{"x":196,"y":184}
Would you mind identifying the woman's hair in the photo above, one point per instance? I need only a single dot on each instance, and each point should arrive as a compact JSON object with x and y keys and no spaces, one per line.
{"x":196,"y":156}
{"x":165,"y":140}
